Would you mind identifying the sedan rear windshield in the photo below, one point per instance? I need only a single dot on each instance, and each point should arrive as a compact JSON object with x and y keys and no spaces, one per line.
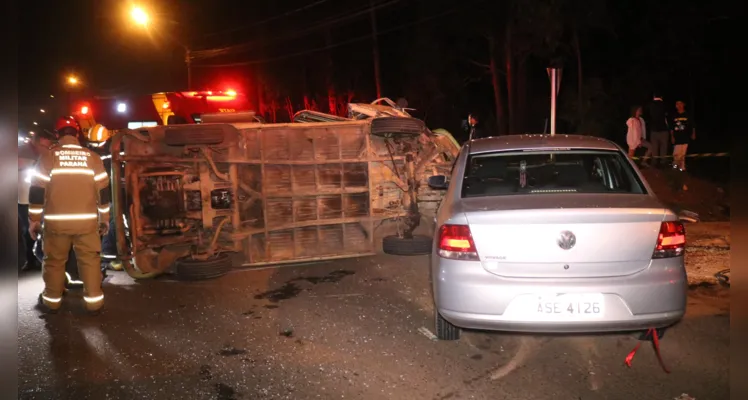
{"x":549,"y":172}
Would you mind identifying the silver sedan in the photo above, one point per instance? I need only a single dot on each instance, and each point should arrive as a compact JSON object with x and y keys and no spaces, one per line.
{"x":553,"y":234}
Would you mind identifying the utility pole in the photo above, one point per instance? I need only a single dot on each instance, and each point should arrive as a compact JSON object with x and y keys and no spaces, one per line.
{"x":188,"y":61}
{"x":332,"y":101}
{"x":375,"y":49}
{"x":555,"y":75}
{"x":553,"y":102}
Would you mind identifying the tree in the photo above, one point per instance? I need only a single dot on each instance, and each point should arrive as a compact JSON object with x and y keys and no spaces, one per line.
{"x":516,"y":30}
{"x":583,"y":17}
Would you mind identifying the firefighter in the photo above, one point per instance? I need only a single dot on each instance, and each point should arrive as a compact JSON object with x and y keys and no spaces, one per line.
{"x":70,"y":193}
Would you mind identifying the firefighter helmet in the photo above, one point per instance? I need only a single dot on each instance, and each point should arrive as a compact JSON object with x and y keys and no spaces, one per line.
{"x":98,"y":133}
{"x":65,"y":122}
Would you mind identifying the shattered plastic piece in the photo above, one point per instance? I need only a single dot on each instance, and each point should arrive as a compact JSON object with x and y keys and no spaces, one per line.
{"x":427,"y":333}
{"x":723,"y":277}
{"x":688,"y":216}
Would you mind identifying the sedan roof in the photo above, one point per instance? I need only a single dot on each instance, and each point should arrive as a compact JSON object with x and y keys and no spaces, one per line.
{"x":539,"y":142}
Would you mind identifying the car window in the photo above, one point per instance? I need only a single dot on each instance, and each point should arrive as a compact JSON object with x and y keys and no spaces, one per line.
{"x":549,"y":172}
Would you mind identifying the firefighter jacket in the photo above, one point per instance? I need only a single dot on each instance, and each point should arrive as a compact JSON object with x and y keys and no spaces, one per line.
{"x":69,"y":189}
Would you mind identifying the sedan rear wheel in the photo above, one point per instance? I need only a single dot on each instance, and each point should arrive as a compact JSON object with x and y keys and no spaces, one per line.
{"x":444,"y":329}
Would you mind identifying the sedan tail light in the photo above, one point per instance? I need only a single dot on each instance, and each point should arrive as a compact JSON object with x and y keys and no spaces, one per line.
{"x":671,"y":242}
{"x":456,"y":243}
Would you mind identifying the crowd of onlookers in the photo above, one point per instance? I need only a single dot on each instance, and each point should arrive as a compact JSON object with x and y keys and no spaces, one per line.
{"x":655,"y":129}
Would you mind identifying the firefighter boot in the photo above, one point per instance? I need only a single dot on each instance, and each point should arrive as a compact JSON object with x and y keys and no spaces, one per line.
{"x":49,"y":305}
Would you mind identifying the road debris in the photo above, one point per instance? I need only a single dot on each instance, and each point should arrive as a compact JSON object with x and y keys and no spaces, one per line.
{"x":688,"y":216}
{"x":723,"y":277}
{"x":427,"y":333}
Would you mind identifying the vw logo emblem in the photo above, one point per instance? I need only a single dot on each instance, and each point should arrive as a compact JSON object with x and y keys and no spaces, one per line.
{"x":566,"y":240}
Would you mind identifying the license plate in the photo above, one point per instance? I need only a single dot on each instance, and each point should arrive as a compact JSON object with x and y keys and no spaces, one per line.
{"x":571,"y":306}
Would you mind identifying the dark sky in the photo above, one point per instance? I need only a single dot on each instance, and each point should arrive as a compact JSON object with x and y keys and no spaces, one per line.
{"x":95,"y":40}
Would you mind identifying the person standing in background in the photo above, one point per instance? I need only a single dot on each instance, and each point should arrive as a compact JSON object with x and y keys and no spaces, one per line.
{"x":636,"y":136}
{"x":473,"y":127}
{"x":682,"y":132}
{"x":658,"y":128}
{"x":28,"y":154}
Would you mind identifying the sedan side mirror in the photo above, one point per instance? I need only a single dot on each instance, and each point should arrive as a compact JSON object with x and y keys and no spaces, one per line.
{"x":438,"y":182}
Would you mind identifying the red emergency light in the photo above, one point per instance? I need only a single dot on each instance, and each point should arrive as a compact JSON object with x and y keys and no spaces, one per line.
{"x":84,"y":110}
{"x":208,"y":93}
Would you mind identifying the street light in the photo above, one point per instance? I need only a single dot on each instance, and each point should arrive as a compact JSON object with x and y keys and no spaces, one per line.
{"x":71,"y":82}
{"x":140,"y":17}
{"x":42,"y":111}
{"x":35,"y":123}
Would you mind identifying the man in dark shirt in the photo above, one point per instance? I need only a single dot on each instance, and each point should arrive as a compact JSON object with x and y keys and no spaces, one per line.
{"x":682,"y":132}
{"x":473,"y":127}
{"x":657,"y":121}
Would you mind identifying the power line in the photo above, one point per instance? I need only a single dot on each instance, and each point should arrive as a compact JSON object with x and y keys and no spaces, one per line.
{"x":343,"y":17}
{"x":210,"y":53}
{"x":264,"y":21}
{"x":343,"y":43}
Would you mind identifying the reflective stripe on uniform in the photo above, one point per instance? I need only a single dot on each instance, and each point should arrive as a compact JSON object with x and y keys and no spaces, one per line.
{"x":70,"y":217}
{"x":104,"y":210}
{"x":28,"y":175}
{"x":72,"y":171}
{"x":52,"y":299}
{"x":71,"y":146}
{"x":36,"y":174}
{"x":35,"y":210}
{"x":93,"y":299}
{"x":100,"y":176}
{"x":73,"y":281}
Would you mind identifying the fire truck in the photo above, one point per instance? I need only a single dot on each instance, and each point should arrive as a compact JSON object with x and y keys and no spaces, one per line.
{"x":164,"y":108}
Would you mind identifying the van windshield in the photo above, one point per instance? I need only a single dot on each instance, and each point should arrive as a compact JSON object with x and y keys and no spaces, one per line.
{"x":549,"y":172}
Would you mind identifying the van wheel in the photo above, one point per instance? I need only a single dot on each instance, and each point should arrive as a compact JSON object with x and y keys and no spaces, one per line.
{"x":189,"y":269}
{"x":400,"y":246}
{"x":444,"y":329}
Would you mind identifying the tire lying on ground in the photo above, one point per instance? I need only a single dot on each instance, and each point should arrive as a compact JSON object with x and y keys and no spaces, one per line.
{"x":399,"y":246}
{"x":189,"y":269}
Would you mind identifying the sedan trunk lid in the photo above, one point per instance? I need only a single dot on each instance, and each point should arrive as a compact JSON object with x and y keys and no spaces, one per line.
{"x":564,"y":236}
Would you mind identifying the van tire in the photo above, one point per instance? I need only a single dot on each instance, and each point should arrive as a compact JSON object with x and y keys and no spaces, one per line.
{"x":189,"y":269}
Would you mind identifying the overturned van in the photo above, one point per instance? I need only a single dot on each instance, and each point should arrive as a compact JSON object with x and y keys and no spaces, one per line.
{"x":200,"y":199}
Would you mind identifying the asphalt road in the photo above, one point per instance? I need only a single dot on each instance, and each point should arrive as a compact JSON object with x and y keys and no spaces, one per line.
{"x":347,"y":329}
